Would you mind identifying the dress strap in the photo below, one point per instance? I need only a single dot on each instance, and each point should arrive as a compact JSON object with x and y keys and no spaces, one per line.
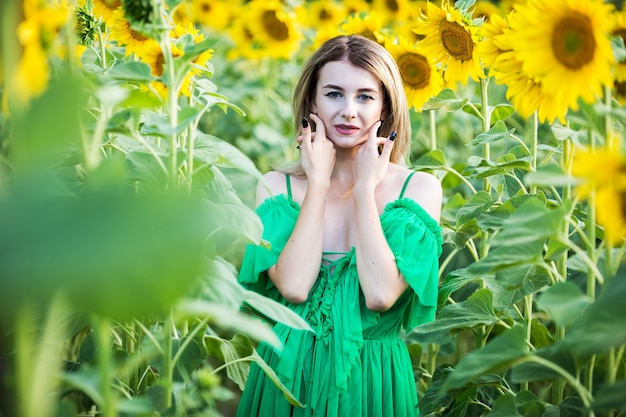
{"x":288,"y":182}
{"x":406,"y":182}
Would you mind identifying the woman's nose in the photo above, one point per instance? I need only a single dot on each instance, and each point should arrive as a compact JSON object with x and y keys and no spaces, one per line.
{"x":349,"y":110}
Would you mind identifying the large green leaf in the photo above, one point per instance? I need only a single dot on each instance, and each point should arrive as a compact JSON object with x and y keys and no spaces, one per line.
{"x":476,"y":311}
{"x":565,"y":303}
{"x":497,"y":132}
{"x":523,"y":404}
{"x":275,"y":311}
{"x":531,"y":222}
{"x":478,"y":204}
{"x":432,"y":160}
{"x":228,"y":318}
{"x":111,"y":252}
{"x":601,"y":326}
{"x":611,"y":397}
{"x":211,"y":150}
{"x":447,"y":100}
{"x":502,"y":352}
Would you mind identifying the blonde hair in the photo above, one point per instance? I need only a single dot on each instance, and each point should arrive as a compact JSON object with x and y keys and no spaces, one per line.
{"x":370,"y":56}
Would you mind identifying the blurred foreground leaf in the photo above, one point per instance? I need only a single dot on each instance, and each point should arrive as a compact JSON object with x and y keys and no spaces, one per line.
{"x":112,"y":253}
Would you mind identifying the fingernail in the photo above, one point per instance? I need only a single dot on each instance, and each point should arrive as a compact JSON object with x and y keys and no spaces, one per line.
{"x":392,"y":137}
{"x":305,"y":123}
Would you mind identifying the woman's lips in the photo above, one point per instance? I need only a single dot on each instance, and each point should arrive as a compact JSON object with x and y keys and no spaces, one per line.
{"x":346,"y":129}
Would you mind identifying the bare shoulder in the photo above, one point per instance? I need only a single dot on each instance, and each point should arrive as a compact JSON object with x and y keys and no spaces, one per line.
{"x":273,"y":183}
{"x":424,"y":188}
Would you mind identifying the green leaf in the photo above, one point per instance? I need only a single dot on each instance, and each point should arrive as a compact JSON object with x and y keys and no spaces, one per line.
{"x":497,"y":132}
{"x":479,"y":203}
{"x":193,"y":51}
{"x":549,"y":175}
{"x":500,"y":353}
{"x":610,"y":397}
{"x":565,"y":303}
{"x":476,"y":311}
{"x":601,"y":326}
{"x":275,"y":311}
{"x":211,"y":150}
{"x":432,"y":160}
{"x":105,"y":249}
{"x":159,"y":125}
{"x":501,"y":112}
{"x":502,"y":257}
{"x":446,"y":100}
{"x":531,"y":222}
{"x":228,"y":318}
{"x":131,"y":71}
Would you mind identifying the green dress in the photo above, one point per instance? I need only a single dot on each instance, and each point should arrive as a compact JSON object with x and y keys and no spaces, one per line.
{"x":355,"y":364}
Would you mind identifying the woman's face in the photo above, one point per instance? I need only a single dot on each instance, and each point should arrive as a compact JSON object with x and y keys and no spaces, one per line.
{"x":349,"y":100}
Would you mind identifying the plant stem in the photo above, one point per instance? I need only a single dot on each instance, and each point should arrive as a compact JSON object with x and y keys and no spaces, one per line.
{"x":168,"y":365}
{"x":103,"y":334}
{"x":534,"y":123}
{"x":433,"y":130}
{"x":172,"y":99}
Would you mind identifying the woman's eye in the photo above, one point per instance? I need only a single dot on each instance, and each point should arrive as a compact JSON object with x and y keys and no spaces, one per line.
{"x":333,"y":94}
{"x":366,"y":97}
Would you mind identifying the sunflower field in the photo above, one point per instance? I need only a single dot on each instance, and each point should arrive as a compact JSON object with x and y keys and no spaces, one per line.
{"x":133,"y":133}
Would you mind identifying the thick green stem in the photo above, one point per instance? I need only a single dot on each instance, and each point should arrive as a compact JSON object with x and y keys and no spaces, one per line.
{"x":433,"y":130}
{"x":534,"y":129}
{"x":105,"y":365}
{"x":168,"y":364}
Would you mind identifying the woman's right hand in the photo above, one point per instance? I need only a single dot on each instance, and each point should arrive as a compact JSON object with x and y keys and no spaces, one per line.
{"x":317,"y":153}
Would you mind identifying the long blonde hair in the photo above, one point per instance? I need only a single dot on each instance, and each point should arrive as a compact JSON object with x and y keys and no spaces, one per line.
{"x":370,"y":56}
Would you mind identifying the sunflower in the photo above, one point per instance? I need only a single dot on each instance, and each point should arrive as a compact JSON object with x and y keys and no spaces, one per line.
{"x":322,"y":14}
{"x":490,"y":45}
{"x":563,"y":45}
{"x":274,"y":28}
{"x":356,"y":6}
{"x":366,"y":24}
{"x":603,"y":171}
{"x":420,"y":77}
{"x":392,"y":10}
{"x":121,"y":31}
{"x":183,"y":13}
{"x":244,"y":41}
{"x":451,"y":41}
{"x":483,"y":9}
{"x":404,"y":27}
{"x":214,"y":14}
{"x":103,"y":9}
{"x":618,"y":28}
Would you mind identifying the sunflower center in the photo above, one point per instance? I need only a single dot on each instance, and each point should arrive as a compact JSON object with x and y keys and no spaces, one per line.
{"x":415,"y":70}
{"x":456,"y":40}
{"x":573,"y":42}
{"x":158,"y":65}
{"x":138,"y":36}
{"x":112,"y":4}
{"x":325,"y":15}
{"x":392,"y":5}
{"x":274,"y":26}
{"x":205,"y":7}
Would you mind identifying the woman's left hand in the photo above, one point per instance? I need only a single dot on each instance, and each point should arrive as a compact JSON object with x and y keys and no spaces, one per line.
{"x":369,"y":167}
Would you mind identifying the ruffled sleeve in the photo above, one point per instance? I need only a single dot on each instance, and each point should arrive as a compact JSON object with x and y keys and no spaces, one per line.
{"x":278,"y":215}
{"x":415,"y":239}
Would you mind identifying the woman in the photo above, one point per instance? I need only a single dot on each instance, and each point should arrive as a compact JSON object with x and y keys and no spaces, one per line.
{"x":355,"y":243}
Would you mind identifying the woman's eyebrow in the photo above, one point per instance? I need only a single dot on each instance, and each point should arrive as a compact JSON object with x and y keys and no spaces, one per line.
{"x":336,"y":87}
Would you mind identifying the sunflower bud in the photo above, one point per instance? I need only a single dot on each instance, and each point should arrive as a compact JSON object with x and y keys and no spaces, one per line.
{"x":139,"y":12}
{"x":85,"y":26}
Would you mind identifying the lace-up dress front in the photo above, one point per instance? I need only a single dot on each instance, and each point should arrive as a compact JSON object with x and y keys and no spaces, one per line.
{"x":355,"y":363}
